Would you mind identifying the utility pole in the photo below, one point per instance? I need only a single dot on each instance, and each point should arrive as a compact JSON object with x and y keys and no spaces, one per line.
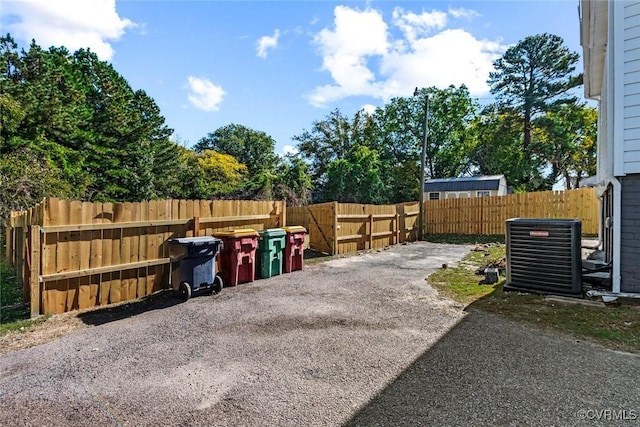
{"x":423,"y":162}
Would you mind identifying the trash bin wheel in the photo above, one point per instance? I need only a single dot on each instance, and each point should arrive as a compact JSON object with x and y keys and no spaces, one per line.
{"x":218,"y":284}
{"x":184,"y":291}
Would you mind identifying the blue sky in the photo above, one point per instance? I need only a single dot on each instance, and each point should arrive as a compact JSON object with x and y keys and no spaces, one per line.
{"x":276,"y":66}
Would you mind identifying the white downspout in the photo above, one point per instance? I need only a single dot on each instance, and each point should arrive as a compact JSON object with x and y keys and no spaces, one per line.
{"x":616,"y":131}
{"x":615,"y":256}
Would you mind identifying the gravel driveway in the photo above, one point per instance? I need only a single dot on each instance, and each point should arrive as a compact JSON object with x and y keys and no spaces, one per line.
{"x":362,"y":340}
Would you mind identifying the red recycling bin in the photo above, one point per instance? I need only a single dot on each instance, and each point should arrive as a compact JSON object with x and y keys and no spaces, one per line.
{"x":238,"y":255}
{"x":294,"y":248}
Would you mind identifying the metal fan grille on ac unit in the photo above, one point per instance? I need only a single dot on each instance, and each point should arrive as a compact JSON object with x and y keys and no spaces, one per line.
{"x":543,"y":255}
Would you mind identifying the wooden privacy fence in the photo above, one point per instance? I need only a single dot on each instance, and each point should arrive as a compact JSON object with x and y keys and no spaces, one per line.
{"x":338,"y":228}
{"x":487,"y":215}
{"x":72,"y":255}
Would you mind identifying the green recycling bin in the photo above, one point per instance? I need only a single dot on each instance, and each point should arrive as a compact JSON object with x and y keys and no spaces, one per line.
{"x":270,"y":248}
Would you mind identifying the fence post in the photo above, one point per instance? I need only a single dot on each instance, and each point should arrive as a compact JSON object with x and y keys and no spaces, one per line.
{"x":283,"y":215}
{"x":196,"y":226}
{"x":20,"y":237}
{"x":8,"y":241}
{"x":34,"y":270}
{"x":397,"y":228}
{"x":335,"y":228}
{"x":370,"y":231}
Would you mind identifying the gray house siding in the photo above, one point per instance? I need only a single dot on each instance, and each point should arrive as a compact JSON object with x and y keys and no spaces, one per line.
{"x":630,"y":235}
{"x":629,"y":147}
{"x":631,"y":88}
{"x":610,"y":37}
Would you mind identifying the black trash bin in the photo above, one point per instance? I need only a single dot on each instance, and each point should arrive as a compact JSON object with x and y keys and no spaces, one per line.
{"x":193,"y":265}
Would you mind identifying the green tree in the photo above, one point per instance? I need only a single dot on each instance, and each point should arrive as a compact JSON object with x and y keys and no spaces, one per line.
{"x":332,"y":139}
{"x":11,"y":115}
{"x":76,"y":112}
{"x":47,"y":114}
{"x":398,"y":140}
{"x":399,"y":135}
{"x":498,"y":151}
{"x":254,"y":149}
{"x":533,"y":77}
{"x":355,"y":179}
{"x":451,"y":112}
{"x":158,"y":157}
{"x":191,"y":180}
{"x":25,"y":179}
{"x":567,"y":137}
{"x":223,"y":174}
{"x":293,"y":181}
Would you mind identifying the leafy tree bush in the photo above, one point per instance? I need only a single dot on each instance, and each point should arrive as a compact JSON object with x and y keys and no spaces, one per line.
{"x":26,"y":178}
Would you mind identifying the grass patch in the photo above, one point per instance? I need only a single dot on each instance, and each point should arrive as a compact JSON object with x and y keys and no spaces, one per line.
{"x":22,"y":325}
{"x":613,"y":326}
{"x":460,"y":284}
{"x":14,"y":314}
{"x":10,"y":292}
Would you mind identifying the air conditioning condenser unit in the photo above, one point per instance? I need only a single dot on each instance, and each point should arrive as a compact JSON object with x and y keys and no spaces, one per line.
{"x":544,"y":256}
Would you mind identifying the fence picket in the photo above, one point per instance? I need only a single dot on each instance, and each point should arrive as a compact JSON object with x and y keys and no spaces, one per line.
{"x":333,"y":228}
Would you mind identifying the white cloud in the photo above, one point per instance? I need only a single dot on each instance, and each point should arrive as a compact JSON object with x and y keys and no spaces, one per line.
{"x":368,"y":108}
{"x":413,"y":25}
{"x":73,"y":24}
{"x":289,"y":149}
{"x":431,"y":63}
{"x":204,"y":95}
{"x":463,"y":13}
{"x":364,"y":58}
{"x":357,"y":36}
{"x":267,"y":42}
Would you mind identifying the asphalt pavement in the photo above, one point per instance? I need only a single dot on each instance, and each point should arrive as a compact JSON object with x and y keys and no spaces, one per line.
{"x":361,"y":340}
{"x":488,"y":371}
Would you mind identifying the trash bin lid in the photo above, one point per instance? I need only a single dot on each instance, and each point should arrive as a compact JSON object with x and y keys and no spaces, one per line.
{"x":242,"y":232}
{"x":295,"y":229}
{"x":273,"y":232}
{"x":203,"y":240}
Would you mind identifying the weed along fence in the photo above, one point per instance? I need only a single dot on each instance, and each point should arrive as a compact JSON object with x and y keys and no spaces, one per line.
{"x":338,"y":228}
{"x":487,"y":215}
{"x":72,"y":255}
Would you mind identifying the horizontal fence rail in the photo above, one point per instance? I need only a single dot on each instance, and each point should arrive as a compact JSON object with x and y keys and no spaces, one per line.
{"x":73,"y":255}
{"x":337,"y":228}
{"x":487,"y":215}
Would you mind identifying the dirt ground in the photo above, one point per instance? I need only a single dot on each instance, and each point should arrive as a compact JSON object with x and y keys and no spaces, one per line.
{"x":55,"y":327}
{"x":362,"y":340}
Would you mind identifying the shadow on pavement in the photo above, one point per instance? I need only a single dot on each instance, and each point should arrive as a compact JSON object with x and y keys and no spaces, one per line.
{"x":311,"y":254}
{"x":489,"y":371}
{"x":160,"y":300}
{"x":104,"y":315}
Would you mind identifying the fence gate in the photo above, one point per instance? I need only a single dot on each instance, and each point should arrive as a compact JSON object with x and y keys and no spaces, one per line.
{"x":321,"y":227}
